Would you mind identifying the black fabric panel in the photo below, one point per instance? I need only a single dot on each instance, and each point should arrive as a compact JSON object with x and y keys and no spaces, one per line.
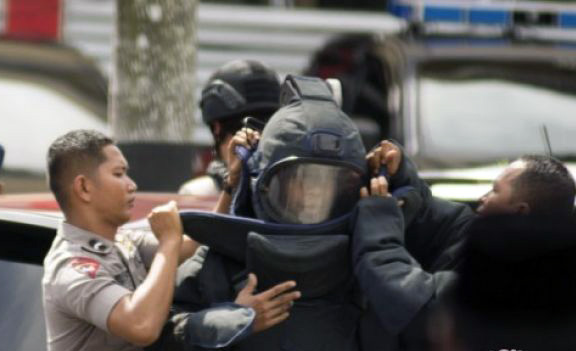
{"x":319,"y":263}
{"x":228,"y":234}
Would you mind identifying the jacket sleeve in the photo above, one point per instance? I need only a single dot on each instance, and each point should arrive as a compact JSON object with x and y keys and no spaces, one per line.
{"x":220,"y":326}
{"x":393,"y":282}
{"x":407,"y":175}
{"x":434,"y":227}
{"x":217,"y":327}
{"x":436,"y":237}
{"x":406,"y":185}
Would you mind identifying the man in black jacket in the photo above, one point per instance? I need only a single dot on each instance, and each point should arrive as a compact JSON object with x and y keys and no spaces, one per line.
{"x":402,"y":260}
{"x":515,"y":289}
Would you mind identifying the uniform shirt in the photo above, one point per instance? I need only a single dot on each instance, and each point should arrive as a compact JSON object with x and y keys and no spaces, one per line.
{"x":85,"y":275}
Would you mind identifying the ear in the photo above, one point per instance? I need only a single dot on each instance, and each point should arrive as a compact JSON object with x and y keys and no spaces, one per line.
{"x":82,"y":188}
{"x":523,"y":208}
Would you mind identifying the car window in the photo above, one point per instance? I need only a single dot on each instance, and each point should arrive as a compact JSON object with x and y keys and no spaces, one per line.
{"x":22,"y":326}
{"x":470,"y":116}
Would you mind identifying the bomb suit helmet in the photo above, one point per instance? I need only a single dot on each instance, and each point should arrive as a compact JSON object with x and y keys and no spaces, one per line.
{"x":310,"y":158}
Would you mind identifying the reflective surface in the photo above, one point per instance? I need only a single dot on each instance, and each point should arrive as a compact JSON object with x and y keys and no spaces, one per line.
{"x":306,"y":193}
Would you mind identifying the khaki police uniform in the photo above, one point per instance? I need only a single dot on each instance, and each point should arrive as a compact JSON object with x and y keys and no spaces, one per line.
{"x":85,"y":275}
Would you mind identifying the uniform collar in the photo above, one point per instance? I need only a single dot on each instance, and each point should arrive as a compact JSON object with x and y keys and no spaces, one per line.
{"x":89,"y":241}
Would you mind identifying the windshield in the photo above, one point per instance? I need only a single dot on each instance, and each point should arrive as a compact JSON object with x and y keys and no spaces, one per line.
{"x":472,"y":115}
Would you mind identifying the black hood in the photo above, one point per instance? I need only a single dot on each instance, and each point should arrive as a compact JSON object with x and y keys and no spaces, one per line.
{"x":310,"y":126}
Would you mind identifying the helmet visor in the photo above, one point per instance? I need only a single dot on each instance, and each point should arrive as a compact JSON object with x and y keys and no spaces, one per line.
{"x":309,"y":191}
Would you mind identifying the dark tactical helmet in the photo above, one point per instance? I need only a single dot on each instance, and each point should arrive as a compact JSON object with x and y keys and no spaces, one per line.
{"x":240,"y":88}
{"x":310,"y":161}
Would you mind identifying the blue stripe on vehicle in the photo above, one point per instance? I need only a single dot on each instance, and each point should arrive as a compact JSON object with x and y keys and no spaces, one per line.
{"x":492,"y":17}
{"x":402,"y":11}
{"x":567,"y":20}
{"x":443,"y":14}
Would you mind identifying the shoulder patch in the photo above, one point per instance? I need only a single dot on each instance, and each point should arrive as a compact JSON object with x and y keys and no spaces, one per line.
{"x":85,"y":265}
{"x":97,"y":247}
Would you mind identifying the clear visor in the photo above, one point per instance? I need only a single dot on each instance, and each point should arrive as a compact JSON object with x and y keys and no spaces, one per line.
{"x":310,"y":193}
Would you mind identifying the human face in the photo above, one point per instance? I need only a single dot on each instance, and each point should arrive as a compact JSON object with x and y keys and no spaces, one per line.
{"x":500,"y":199}
{"x":311,"y":202}
{"x":114,"y":191}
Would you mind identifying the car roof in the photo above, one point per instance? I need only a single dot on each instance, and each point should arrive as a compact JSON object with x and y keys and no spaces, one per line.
{"x":26,"y":236}
{"x":143,"y":204}
{"x":28,"y":222}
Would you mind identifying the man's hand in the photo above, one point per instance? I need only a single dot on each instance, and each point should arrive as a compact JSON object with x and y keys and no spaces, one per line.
{"x":247,"y":138}
{"x":386,"y":154}
{"x":271,"y":306}
{"x":378,"y":187}
{"x":165,"y":222}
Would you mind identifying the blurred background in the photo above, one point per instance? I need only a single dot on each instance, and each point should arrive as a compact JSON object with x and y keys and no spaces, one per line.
{"x":464,"y":85}
{"x":425,"y":73}
{"x":57,"y":61}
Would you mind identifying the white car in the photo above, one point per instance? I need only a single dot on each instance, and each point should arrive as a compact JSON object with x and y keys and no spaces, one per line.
{"x":462,"y":107}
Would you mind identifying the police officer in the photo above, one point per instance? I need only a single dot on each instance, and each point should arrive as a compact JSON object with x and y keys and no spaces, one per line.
{"x":106,"y":288}
{"x":238,"y":89}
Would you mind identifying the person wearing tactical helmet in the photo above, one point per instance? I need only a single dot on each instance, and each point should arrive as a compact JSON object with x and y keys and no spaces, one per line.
{"x":238,"y":89}
{"x":291,"y":219}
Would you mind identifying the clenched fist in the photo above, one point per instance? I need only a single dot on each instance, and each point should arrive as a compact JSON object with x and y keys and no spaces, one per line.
{"x":165,"y":222}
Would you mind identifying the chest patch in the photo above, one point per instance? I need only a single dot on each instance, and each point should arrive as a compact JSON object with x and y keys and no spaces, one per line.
{"x":85,"y":265}
{"x":126,"y":244}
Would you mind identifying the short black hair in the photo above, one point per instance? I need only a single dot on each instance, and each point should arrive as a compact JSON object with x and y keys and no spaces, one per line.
{"x":74,"y":152}
{"x":546,"y":185}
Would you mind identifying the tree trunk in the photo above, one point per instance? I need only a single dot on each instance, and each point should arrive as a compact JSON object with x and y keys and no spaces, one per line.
{"x":152,"y":88}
